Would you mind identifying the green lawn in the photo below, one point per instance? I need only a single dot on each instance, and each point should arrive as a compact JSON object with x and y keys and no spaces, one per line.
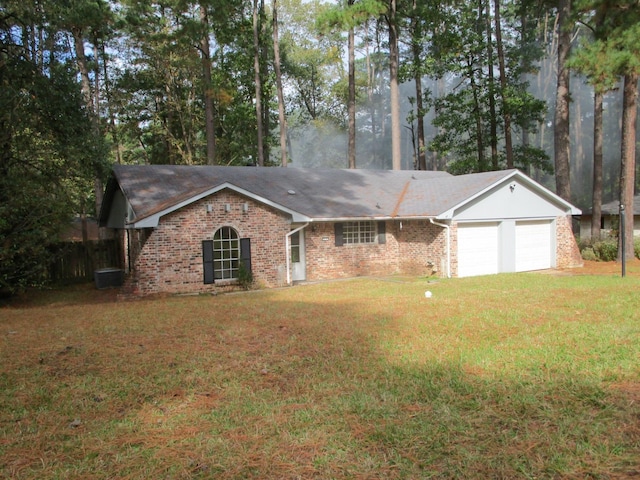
{"x":507,"y":376}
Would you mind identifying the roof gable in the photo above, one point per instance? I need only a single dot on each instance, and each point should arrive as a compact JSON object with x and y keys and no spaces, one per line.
{"x":507,"y":194}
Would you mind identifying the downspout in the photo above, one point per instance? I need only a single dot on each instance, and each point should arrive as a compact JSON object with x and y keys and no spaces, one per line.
{"x":448,"y":229}
{"x":287,"y":241}
{"x":128,"y":269}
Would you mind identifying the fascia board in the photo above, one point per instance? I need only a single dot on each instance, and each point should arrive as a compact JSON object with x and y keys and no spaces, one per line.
{"x":449,"y":214}
{"x":350,"y":219}
{"x":374,"y":218}
{"x":152,"y":220}
{"x":548,"y":193}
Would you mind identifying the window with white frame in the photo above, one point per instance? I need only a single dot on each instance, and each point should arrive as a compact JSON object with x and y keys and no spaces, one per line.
{"x":359,"y":232}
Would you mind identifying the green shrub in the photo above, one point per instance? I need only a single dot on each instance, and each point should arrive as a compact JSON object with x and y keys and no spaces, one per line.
{"x":245,"y":277}
{"x":636,"y":247}
{"x":589,"y":254}
{"x":603,"y":250}
{"x":606,"y":250}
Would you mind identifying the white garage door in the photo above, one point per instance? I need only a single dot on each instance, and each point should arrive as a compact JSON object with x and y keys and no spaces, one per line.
{"x":477,"y":249}
{"x":533,"y":245}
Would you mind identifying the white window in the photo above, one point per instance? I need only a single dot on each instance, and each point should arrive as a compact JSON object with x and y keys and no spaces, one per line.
{"x":359,"y":232}
{"x":226,"y":254}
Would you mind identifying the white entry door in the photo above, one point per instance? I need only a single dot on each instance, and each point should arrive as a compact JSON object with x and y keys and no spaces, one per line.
{"x":477,"y":249}
{"x":297,"y":256}
{"x":533,"y":245}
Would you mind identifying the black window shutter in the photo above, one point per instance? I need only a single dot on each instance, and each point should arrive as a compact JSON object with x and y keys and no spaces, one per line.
{"x":245,"y":253}
{"x":382,"y":232}
{"x":338,"y":234}
{"x":207,"y":260}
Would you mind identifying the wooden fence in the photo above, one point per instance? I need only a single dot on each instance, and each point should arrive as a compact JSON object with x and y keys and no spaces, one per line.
{"x":75,"y":262}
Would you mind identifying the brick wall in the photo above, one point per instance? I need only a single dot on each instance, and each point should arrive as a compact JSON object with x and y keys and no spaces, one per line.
{"x":170,"y":261}
{"x":417,"y":248}
{"x":567,"y":251}
{"x":422,"y":247}
{"x":324,"y":260}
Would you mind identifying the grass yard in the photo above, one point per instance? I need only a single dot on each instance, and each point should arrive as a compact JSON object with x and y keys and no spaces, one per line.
{"x":510,"y":376}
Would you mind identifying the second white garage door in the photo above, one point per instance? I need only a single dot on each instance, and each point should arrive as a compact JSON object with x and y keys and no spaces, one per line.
{"x":477,"y":249}
{"x":533,"y":245}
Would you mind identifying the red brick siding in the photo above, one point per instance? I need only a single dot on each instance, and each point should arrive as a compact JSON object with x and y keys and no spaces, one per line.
{"x":412,"y":249}
{"x":171,"y":259}
{"x":325,"y":260}
{"x":567,"y":251}
{"x":453,"y":231}
{"x":423,"y":247}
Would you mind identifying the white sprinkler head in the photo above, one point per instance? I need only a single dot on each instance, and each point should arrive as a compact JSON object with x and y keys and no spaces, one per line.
{"x":427,"y":294}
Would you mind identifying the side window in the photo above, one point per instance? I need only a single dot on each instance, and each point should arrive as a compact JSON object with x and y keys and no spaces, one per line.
{"x":223,"y":255}
{"x":226,"y":254}
{"x":362,"y":232}
{"x":295,"y":247}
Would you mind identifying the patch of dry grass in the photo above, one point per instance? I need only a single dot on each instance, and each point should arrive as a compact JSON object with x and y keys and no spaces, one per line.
{"x":509,"y":376}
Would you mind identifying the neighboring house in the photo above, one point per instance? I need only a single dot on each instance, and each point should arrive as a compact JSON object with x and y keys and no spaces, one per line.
{"x":610,"y":219}
{"x":81,"y":230}
{"x":190,"y":228}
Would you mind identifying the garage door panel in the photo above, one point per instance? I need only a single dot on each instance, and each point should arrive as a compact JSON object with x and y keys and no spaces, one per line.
{"x":477,"y":249}
{"x":533,"y":245}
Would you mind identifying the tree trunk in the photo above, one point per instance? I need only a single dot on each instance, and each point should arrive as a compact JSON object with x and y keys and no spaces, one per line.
{"x":596,"y":210}
{"x":257,"y":78}
{"x":628,"y":159}
{"x":264,"y":75}
{"x":577,"y":152}
{"x":85,"y":82}
{"x":482,"y":162}
{"x":562,"y":145}
{"x":523,"y":78}
{"x":435,"y":157}
{"x":417,"y":63}
{"x":492,"y":89}
{"x":112,"y":118}
{"x":210,"y":126}
{"x":506,"y":115}
{"x":351,"y":104}
{"x":396,"y":152}
{"x":81,"y":60}
{"x":281,"y":116}
{"x":96,"y":79}
{"x":422,"y":153}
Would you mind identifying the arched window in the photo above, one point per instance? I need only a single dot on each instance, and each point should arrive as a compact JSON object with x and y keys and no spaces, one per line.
{"x":226,"y":254}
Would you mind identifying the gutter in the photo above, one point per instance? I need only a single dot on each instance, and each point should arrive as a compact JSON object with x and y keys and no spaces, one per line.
{"x":287,"y":242}
{"x":448,"y":229}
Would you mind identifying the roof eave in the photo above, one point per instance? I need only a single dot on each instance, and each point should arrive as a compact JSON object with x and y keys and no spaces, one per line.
{"x":573,"y":210}
{"x":376,"y":218}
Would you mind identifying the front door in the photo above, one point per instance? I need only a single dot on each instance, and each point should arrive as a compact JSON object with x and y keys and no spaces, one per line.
{"x":296,"y":252}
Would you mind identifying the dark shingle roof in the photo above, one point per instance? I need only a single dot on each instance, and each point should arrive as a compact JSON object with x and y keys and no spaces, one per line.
{"x":613,"y":208}
{"x":319,"y":193}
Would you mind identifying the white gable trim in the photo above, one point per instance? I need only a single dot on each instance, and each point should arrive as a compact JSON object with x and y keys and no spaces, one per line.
{"x":152,"y":220}
{"x":544,"y":192}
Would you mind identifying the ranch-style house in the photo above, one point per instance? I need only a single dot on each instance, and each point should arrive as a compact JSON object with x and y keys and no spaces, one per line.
{"x":197,"y":229}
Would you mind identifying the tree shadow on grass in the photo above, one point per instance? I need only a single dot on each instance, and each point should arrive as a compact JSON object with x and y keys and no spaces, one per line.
{"x":324,"y":381}
{"x":77,"y":294}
